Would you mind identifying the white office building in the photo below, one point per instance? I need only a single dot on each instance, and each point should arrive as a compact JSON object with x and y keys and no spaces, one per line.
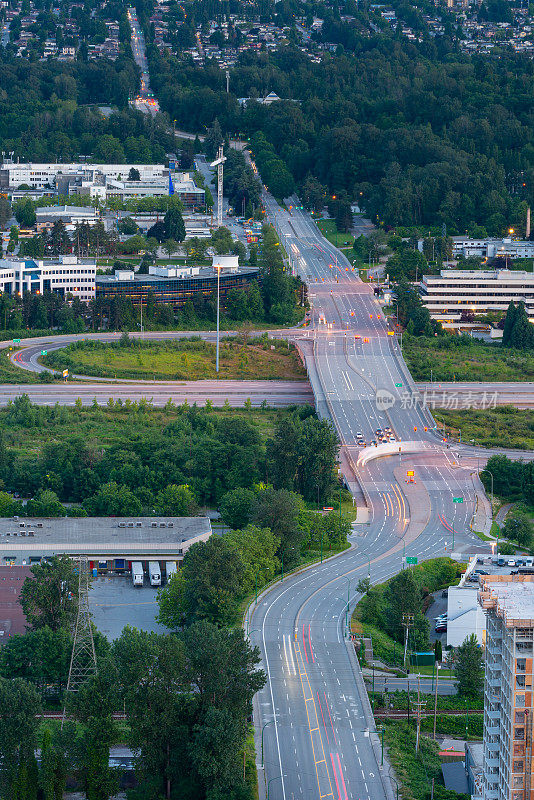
{"x":63,"y":275}
{"x":39,"y":176}
{"x":508,"y":687}
{"x":455,"y":293}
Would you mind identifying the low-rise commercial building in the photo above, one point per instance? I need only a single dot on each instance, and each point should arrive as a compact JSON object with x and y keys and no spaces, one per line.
{"x":69,"y":215}
{"x":37,"y":176}
{"x":176,"y":285}
{"x":508,"y":687}
{"x":110,"y":544}
{"x":464,"y":615}
{"x":491,"y":248}
{"x":63,"y":275}
{"x":455,"y":295}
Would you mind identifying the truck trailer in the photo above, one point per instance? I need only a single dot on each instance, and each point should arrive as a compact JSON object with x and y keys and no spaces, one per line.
{"x":154,"y":572}
{"x":137,"y":573}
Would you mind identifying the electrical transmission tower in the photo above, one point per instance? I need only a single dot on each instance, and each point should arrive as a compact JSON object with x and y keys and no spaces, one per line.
{"x":83,"y":658}
{"x":219,"y":161}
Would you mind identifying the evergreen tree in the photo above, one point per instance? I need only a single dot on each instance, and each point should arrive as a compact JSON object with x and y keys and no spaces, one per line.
{"x":509,"y":323}
{"x":174,"y":224}
{"x":522,"y":334}
{"x":468,"y":667}
{"x":213,"y":140}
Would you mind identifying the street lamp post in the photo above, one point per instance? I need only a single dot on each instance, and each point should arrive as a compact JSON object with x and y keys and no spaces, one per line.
{"x":278,"y":777}
{"x":265,"y":725}
{"x":396,"y":784}
{"x":492,"y":498}
{"x":380,"y":731}
{"x":218,"y":318}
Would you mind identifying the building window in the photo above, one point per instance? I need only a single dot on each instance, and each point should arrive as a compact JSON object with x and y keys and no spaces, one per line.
{"x":519,"y":716}
{"x":519,"y":766}
{"x":521,"y":664}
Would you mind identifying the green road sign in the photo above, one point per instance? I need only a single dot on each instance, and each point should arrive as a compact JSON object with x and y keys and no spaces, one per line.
{"x":398,"y":385}
{"x":411,"y":559}
{"x":457,"y":499}
{"x":44,"y":352}
{"x":16,"y":341}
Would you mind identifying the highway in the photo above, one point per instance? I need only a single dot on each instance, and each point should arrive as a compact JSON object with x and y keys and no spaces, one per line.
{"x":436,"y":395}
{"x":276,"y":394}
{"x":317,"y":742}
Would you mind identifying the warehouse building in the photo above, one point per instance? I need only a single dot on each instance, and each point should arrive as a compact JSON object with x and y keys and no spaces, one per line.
{"x":176,"y":285}
{"x":110,"y":544}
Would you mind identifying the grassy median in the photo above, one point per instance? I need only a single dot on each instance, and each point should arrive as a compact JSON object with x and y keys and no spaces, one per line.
{"x":184,"y":359}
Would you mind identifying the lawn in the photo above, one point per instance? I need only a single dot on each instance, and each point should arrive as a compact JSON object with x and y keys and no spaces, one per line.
{"x":457,"y":359}
{"x":504,"y":426}
{"x":330,"y":231}
{"x":191,"y":359}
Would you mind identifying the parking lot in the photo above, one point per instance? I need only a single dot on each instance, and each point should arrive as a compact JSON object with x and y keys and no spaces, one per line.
{"x":115,"y":602}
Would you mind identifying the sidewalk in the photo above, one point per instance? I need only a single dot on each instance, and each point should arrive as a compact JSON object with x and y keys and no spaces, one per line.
{"x":483,"y":517}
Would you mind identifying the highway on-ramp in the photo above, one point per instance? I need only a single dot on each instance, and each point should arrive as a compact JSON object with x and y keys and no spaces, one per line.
{"x":319,"y":739}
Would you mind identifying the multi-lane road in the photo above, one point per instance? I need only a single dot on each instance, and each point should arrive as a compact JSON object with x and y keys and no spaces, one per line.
{"x":313,"y":710}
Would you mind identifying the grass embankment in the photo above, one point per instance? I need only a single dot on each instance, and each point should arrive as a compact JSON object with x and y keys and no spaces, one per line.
{"x":415,"y":770}
{"x":461,"y":359}
{"x":504,"y":426}
{"x":191,"y":359}
{"x":452,"y":702}
{"x":9,"y":373}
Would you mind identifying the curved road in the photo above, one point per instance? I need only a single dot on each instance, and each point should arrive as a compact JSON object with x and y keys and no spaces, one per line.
{"x":317,"y":741}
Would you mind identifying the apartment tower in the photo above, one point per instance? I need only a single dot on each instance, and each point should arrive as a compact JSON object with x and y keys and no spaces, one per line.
{"x":508,"y":706}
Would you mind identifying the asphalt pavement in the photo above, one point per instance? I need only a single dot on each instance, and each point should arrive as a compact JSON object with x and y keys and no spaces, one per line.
{"x":275,"y":394}
{"x":313,"y":710}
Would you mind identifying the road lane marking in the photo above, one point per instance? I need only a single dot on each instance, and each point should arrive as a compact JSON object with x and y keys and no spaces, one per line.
{"x":335,"y":775}
{"x":324,"y":783}
{"x":342,"y":778}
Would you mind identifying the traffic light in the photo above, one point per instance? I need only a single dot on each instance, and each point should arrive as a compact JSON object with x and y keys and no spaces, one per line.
{"x":415,"y":427}
{"x":426,"y":428}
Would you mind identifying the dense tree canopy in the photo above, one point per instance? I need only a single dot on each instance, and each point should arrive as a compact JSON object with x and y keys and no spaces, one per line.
{"x":415,"y":131}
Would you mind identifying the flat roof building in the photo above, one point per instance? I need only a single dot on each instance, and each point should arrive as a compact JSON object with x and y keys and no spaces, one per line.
{"x":491,"y":248}
{"x":36,"y":176}
{"x":63,"y":275}
{"x":69,"y":215}
{"x":455,"y":294}
{"x":176,"y":285}
{"x":508,"y":688}
{"x":108,"y":542}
